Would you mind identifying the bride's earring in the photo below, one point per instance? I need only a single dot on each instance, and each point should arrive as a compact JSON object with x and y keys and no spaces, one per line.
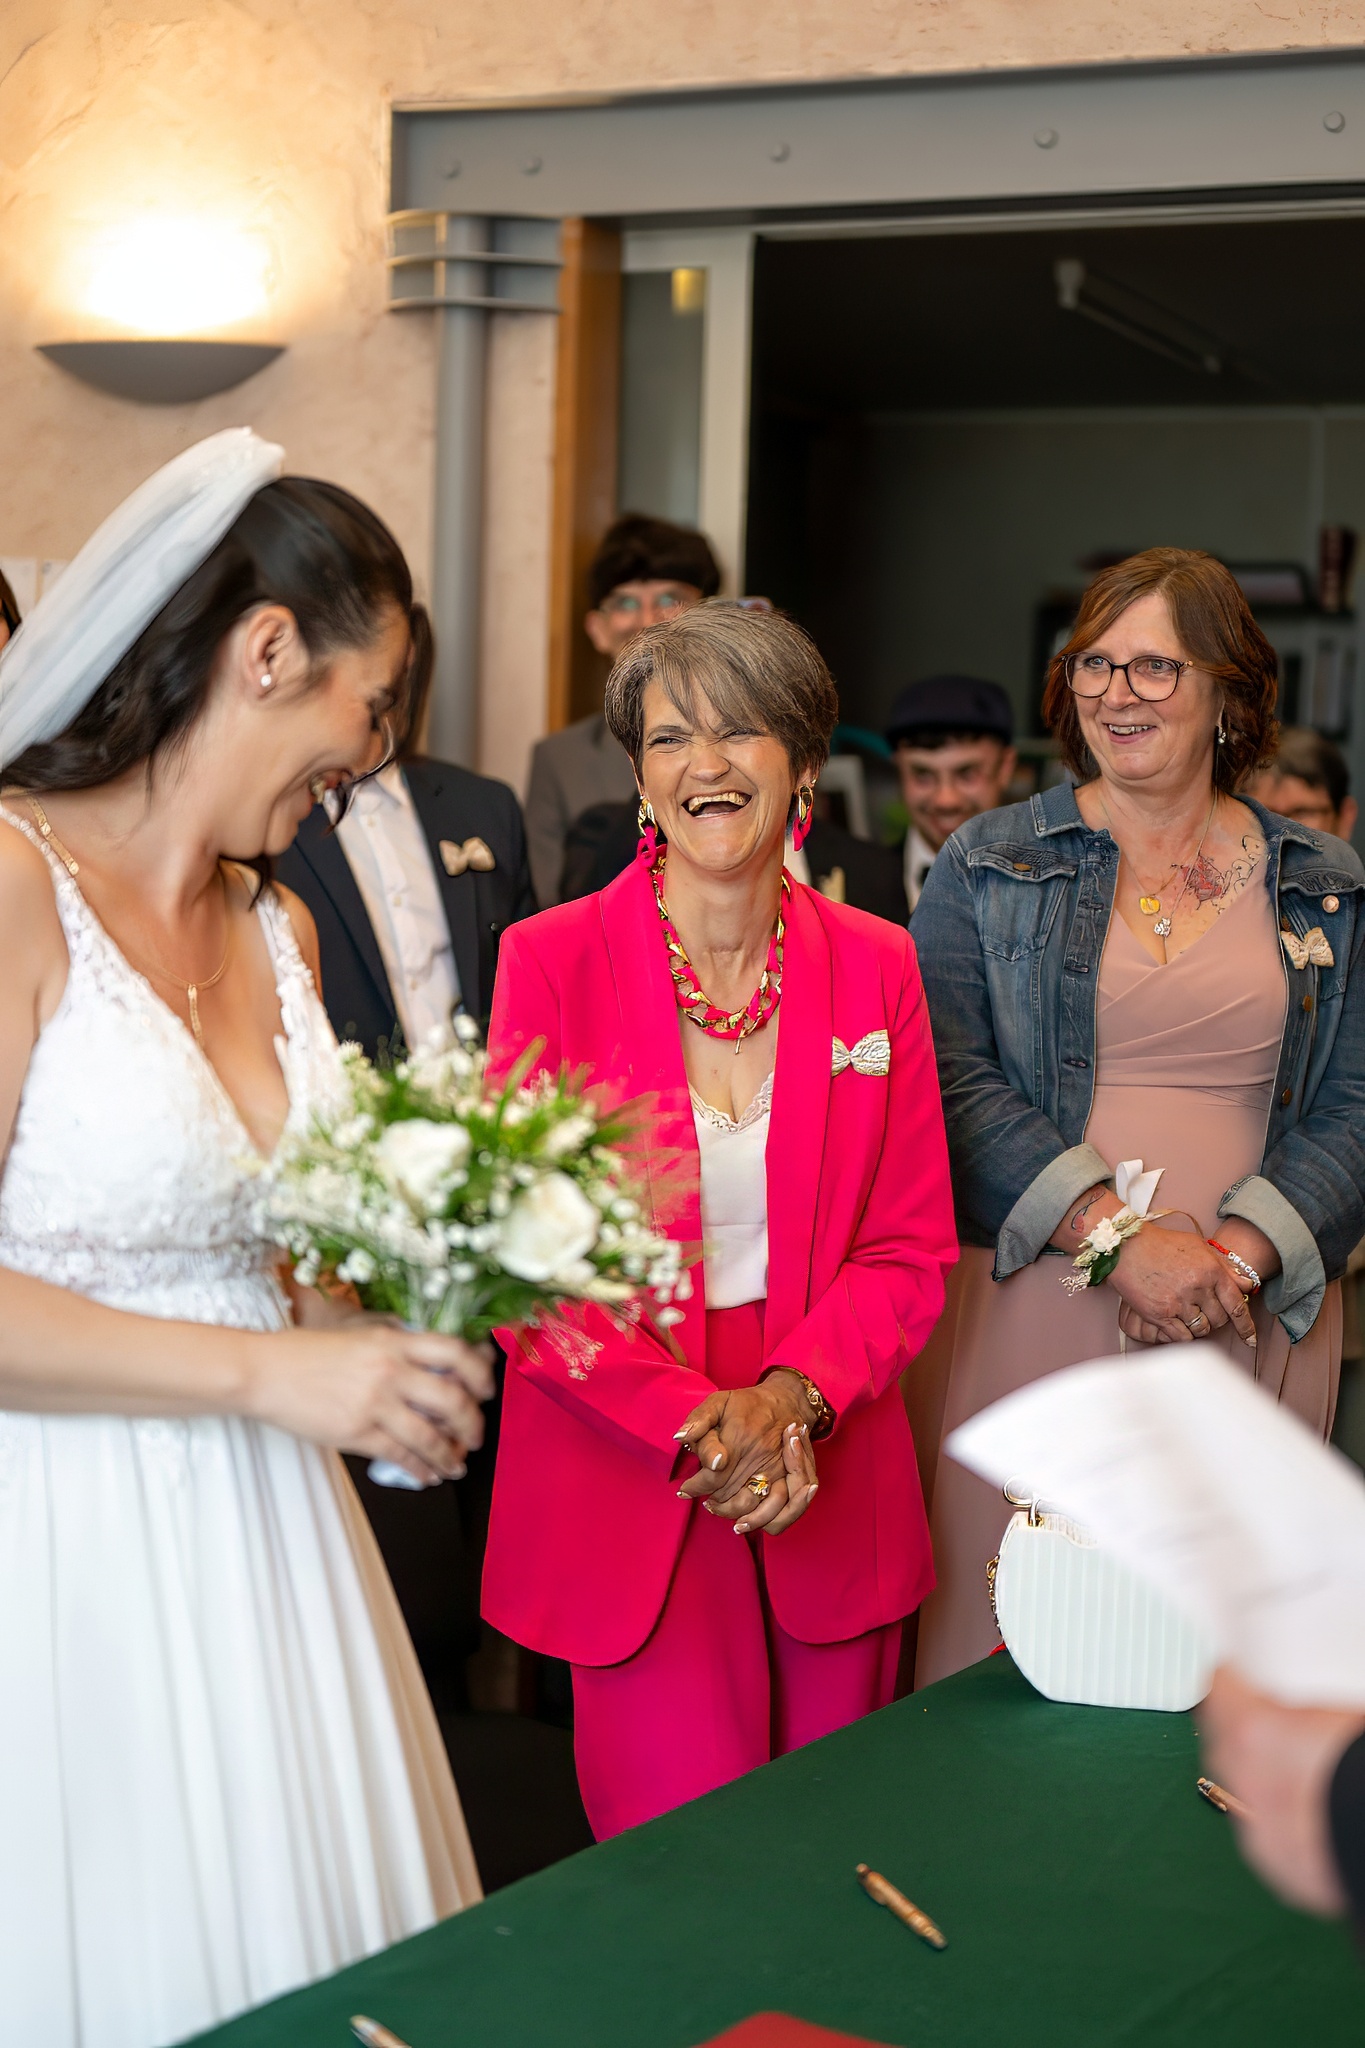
{"x":267,"y":681}
{"x":1220,"y":730}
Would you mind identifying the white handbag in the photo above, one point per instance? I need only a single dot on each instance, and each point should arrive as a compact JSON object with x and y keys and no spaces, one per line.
{"x":1083,"y":1628}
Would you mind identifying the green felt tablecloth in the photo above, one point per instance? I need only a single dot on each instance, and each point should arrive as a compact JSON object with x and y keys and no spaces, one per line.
{"x":1089,"y":1897}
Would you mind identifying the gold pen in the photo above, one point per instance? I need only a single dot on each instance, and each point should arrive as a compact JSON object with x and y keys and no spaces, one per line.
{"x":1225,"y":1801}
{"x":885,"y":1894}
{"x":372,"y":2034}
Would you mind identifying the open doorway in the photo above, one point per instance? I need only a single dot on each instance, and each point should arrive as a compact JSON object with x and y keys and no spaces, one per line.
{"x":951,"y":429}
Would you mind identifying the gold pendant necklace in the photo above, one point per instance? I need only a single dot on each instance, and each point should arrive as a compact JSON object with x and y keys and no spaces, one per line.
{"x":192,"y":990}
{"x":1163,"y":925}
{"x":1150,"y":905}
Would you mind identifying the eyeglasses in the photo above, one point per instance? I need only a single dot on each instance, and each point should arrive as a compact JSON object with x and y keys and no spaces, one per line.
{"x":336,"y":802}
{"x":1149,"y":676}
{"x":625,"y":605}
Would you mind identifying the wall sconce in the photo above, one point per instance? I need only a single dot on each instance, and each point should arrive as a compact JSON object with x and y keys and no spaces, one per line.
{"x":168,"y":280}
{"x":158,"y":371}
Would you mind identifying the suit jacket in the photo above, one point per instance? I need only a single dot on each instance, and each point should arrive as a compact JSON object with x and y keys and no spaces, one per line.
{"x":570,"y":771}
{"x":872,"y":875}
{"x":451,"y":803}
{"x":586,"y":1525}
{"x":602,"y":841}
{"x":1346,"y":1817}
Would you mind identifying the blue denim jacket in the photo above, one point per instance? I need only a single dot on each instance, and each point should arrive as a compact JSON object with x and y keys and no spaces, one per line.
{"x":1010,"y":928}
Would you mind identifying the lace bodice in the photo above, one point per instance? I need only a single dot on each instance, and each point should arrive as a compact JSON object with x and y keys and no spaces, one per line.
{"x":130,"y":1175}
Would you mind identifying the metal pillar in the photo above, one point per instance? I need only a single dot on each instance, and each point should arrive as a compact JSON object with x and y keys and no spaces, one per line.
{"x":457,"y":551}
{"x":464,"y":267}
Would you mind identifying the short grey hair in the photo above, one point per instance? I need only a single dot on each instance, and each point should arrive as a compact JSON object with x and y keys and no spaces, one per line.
{"x":756,"y":669}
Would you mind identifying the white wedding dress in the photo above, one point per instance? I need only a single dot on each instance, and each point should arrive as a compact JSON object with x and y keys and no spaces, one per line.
{"x":220,"y":1774}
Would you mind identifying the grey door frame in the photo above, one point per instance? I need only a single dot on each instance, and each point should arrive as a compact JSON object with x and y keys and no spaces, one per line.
{"x":1196,"y":140}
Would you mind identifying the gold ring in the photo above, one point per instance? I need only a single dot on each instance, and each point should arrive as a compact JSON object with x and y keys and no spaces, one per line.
{"x":1196,"y":1319}
{"x":760,"y":1486}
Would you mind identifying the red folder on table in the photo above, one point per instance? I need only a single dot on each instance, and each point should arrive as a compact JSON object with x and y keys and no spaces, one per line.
{"x":780,"y":2030}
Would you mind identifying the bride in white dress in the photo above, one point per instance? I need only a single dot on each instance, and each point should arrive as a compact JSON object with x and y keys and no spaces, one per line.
{"x":220,"y":1775}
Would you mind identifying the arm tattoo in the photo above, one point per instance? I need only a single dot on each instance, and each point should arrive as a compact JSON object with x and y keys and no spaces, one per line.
{"x":1088,"y":1201}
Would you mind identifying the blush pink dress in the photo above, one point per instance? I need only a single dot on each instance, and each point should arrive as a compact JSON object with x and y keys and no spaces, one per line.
{"x":1186,"y":1056}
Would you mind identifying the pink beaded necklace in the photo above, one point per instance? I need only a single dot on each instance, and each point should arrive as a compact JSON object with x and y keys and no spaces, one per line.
{"x":692,"y":998}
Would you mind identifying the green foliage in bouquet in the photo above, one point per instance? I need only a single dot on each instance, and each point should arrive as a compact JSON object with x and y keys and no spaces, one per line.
{"x":462,"y":1207}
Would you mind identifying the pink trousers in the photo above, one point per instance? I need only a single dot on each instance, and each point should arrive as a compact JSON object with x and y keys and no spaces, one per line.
{"x":719,"y":1687}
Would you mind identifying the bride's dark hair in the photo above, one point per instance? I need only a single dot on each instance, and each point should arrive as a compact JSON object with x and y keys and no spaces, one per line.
{"x":307,"y":545}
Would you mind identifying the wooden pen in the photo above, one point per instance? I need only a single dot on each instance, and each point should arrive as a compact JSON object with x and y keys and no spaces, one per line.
{"x":1225,"y":1801}
{"x":885,"y":1894}
{"x":372,"y":2034}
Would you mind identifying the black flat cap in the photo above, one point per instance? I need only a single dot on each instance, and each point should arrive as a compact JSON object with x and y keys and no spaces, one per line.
{"x":966,"y":704}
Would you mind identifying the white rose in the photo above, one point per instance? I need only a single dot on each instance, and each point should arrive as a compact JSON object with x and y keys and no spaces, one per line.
{"x":549,"y":1228}
{"x":570,"y":1136}
{"x":1104,"y":1237}
{"x":421,"y":1159}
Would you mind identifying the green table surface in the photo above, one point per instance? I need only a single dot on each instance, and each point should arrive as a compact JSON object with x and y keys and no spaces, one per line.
{"x":1088,"y":1894}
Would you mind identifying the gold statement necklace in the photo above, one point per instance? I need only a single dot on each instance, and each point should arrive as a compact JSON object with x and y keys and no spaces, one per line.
{"x":192,"y":990}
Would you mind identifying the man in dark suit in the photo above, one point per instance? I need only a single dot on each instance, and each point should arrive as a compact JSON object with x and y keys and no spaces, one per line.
{"x":411,"y":896}
{"x":952,"y":738}
{"x":389,"y":965}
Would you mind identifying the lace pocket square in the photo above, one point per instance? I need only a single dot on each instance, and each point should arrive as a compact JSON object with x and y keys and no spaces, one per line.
{"x":871,"y":1055}
{"x":1312,"y":950}
{"x":475,"y":853}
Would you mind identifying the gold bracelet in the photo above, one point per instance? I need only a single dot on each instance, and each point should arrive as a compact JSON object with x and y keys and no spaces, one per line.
{"x":823,"y":1417}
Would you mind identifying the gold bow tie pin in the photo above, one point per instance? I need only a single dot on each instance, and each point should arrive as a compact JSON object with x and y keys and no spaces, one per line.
{"x":871,"y":1055}
{"x":1312,"y":950}
{"x":475,"y":853}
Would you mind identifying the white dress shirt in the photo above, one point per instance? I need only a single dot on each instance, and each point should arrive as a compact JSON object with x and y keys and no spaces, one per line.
{"x":382,"y":838}
{"x":919,"y":858}
{"x":734,"y":1199}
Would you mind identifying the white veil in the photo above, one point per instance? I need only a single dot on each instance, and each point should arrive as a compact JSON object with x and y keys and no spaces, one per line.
{"x":120,"y":580}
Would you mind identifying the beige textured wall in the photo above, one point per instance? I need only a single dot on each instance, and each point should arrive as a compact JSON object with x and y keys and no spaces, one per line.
{"x":274,"y":114}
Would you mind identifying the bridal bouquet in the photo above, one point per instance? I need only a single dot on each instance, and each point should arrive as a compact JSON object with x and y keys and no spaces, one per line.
{"x":462,"y":1207}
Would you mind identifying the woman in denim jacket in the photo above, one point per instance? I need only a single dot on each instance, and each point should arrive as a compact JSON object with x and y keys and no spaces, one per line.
{"x":1143,"y":973}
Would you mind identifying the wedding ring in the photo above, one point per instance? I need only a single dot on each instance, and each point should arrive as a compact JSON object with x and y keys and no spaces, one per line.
{"x":1193,"y":1322}
{"x":760,"y":1486}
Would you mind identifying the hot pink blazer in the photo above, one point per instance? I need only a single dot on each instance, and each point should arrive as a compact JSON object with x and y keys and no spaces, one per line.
{"x":586,"y":1523}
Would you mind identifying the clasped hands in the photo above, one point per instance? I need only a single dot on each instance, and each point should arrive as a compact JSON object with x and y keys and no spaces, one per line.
{"x":1175,"y":1287}
{"x":744,"y":1433}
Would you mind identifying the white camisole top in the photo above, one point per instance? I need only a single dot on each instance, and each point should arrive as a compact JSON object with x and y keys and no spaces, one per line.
{"x":734,"y":1199}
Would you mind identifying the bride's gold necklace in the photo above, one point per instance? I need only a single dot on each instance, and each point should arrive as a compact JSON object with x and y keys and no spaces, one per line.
{"x":191,"y":989}
{"x":1149,"y":903}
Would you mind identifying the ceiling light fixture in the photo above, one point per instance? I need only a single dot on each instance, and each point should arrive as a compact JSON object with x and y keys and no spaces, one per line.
{"x":1130,"y":313}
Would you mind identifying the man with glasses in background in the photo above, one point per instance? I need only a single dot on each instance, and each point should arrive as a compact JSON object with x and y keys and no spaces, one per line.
{"x":645,"y":570}
{"x":1308,"y":780}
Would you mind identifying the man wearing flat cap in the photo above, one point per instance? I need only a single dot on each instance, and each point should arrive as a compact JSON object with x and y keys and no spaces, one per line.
{"x":953,"y":742}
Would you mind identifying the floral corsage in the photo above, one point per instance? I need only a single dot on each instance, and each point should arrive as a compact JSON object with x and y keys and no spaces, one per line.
{"x":1099,"y":1252}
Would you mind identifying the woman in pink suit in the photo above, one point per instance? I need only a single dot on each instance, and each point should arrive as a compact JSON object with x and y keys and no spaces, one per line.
{"x":655,"y":1517}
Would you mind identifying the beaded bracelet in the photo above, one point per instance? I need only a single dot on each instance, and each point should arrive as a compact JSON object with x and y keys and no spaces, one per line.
{"x":1239,"y":1264}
